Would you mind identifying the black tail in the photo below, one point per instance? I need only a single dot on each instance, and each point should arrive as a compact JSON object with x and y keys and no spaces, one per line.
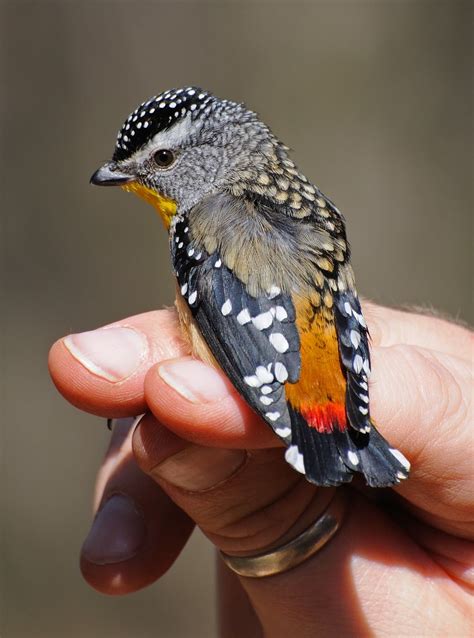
{"x":332,"y":458}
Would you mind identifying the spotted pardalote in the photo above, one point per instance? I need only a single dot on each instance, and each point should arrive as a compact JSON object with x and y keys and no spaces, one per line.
{"x":265,"y":289}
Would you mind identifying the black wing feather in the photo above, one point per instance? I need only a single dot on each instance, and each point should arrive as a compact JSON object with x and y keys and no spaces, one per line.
{"x":254,"y":340}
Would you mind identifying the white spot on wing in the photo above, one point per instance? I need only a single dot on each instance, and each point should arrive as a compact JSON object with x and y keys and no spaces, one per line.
{"x":358,"y":363}
{"x":266,"y":389}
{"x":243,"y":317}
{"x":253,"y":381}
{"x":266,"y":400}
{"x":283,"y":432}
{"x":184,"y":289}
{"x":218,"y":264}
{"x":363,"y":410}
{"x":273,"y":416}
{"x":226,"y":308}
{"x":192,"y":297}
{"x":279,"y":342}
{"x":263,"y":320}
{"x":264,"y":375}
{"x":355,"y":338}
{"x":273,"y":292}
{"x":280,"y":313}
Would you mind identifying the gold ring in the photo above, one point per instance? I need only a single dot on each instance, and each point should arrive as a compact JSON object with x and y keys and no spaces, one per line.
{"x":296,"y":551}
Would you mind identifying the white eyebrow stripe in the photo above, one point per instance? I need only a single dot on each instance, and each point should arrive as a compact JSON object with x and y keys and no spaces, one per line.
{"x":171,"y":138}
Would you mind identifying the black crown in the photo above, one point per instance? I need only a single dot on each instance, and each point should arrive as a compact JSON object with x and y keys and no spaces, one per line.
{"x":158,"y":114}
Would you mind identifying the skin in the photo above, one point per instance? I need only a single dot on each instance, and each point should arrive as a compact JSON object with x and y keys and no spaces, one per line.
{"x":403,"y":561}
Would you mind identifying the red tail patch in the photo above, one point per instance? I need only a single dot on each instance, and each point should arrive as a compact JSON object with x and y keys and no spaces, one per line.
{"x":325,"y":418}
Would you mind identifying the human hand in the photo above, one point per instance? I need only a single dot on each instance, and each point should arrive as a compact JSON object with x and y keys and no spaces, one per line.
{"x":402,"y":562}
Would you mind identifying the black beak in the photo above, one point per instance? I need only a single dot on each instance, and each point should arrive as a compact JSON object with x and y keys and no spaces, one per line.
{"x":108,"y":175}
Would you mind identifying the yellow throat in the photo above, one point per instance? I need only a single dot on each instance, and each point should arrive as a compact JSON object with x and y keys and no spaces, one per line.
{"x":166,"y":207}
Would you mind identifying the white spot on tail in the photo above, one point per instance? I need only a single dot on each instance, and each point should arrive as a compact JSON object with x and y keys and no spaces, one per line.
{"x":353,"y":458}
{"x":400,"y":458}
{"x":294,"y":457}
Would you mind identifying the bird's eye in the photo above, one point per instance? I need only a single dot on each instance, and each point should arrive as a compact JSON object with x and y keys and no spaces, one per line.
{"x":164,"y":158}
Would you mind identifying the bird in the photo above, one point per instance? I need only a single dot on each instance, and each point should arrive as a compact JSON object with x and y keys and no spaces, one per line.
{"x":264,"y":285}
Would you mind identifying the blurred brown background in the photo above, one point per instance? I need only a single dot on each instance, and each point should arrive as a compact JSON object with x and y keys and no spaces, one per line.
{"x":374,"y":97}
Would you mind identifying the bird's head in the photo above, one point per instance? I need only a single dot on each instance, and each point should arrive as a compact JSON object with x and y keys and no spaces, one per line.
{"x":184,"y":145}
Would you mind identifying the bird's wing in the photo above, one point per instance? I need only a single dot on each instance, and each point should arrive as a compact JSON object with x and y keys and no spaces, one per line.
{"x":352,"y":335}
{"x":254,"y":340}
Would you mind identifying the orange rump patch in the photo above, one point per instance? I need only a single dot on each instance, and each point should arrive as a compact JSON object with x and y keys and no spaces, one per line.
{"x":320,"y":394}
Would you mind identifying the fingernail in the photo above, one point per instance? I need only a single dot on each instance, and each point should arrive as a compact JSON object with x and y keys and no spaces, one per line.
{"x":194,"y":380}
{"x":117,"y":532}
{"x":199,"y":468}
{"x":111,"y":353}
